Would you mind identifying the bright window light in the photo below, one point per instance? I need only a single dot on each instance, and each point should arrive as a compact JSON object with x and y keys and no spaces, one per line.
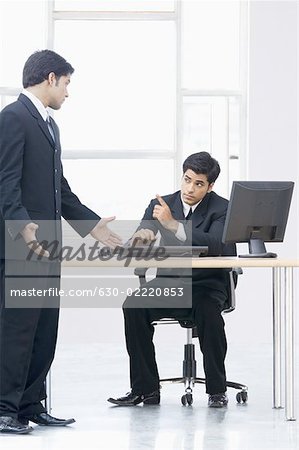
{"x":119,"y":187}
{"x":22,"y":32}
{"x":122,"y":94}
{"x":210,"y":44}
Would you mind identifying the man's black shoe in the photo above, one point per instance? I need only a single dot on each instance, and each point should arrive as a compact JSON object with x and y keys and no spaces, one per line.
{"x":49,"y":421}
{"x":218,"y":400}
{"x":13,"y":426}
{"x":131,"y":399}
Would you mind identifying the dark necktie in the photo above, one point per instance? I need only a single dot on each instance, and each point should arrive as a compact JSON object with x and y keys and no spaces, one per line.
{"x":50,"y":128}
{"x":188,"y":216}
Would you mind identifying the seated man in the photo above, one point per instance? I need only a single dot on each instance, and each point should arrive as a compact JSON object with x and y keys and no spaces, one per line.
{"x":209,"y":286}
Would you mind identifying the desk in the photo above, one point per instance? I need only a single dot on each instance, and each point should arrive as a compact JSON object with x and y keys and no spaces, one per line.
{"x":283,"y":297}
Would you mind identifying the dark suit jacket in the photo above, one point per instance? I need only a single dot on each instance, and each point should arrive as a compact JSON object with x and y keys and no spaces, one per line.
{"x":205,"y":228}
{"x":32,"y":185}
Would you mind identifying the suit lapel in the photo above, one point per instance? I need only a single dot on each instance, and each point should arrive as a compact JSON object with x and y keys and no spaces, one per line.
{"x":40,"y":121}
{"x":200,"y":212}
{"x":177,"y":208}
{"x":44,"y":127}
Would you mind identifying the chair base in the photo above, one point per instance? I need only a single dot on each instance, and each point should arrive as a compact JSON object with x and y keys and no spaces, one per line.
{"x":187,"y":398}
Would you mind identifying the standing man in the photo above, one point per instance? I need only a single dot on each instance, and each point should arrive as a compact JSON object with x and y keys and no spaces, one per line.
{"x":32,"y":189}
{"x":171,"y":216}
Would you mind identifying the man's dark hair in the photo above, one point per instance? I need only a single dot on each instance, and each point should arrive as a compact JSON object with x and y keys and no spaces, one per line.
{"x":41,"y":63}
{"x":203,"y":162}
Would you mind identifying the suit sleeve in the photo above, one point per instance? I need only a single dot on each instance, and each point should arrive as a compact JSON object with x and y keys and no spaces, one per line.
{"x":79,"y":216}
{"x":12,"y":141}
{"x":147,"y":220}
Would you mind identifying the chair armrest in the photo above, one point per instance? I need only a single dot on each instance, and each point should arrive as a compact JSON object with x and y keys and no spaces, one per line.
{"x":232,"y":284}
{"x":140,"y":273}
{"x":234,"y":273}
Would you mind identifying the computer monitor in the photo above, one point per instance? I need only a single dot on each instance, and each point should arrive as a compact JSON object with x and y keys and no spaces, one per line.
{"x":257,"y":213}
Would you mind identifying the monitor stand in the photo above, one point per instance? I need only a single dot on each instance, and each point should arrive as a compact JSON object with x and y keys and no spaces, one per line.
{"x":257,"y":249}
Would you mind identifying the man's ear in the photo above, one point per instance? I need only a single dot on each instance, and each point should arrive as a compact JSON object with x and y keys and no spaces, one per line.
{"x":52,"y":79}
{"x":211,"y":185}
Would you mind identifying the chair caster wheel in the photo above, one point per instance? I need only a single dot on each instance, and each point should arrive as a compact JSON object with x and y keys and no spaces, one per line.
{"x":187,"y":399}
{"x":242,"y":397}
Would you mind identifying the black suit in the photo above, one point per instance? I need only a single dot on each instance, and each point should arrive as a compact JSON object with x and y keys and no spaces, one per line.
{"x":209,"y":294}
{"x":32,"y":189}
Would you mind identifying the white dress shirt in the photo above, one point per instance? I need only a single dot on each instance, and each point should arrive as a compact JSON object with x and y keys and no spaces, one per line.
{"x":37,"y":103}
{"x":180,"y":234}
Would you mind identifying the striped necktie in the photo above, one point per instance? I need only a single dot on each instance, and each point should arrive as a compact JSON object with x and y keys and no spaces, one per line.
{"x":50,"y":128}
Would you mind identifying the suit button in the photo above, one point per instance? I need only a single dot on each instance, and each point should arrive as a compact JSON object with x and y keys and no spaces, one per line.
{"x":56,"y":190}
{"x":57,"y":211}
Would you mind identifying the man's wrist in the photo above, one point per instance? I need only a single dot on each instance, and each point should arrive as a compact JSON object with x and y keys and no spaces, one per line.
{"x":172,"y":226}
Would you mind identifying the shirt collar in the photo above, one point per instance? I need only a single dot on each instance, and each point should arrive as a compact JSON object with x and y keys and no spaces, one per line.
{"x":37,"y":103}
{"x":186,"y":207}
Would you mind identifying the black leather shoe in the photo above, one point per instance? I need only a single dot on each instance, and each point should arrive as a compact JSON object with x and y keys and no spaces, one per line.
{"x":131,"y":399}
{"x":13,"y":426}
{"x":218,"y":400}
{"x":49,"y":421}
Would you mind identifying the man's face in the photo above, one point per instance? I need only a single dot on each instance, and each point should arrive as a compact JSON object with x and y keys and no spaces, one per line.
{"x":58,"y":91}
{"x":194,"y":187}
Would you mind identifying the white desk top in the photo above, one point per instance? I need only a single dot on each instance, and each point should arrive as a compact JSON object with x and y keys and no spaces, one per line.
{"x":244,"y":262}
{"x":198,"y":263}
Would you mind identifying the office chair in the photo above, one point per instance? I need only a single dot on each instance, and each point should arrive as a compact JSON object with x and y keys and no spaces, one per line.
{"x":189,"y":377}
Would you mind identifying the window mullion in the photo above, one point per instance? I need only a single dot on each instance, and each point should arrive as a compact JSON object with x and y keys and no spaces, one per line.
{"x":111,"y":15}
{"x":117,"y":154}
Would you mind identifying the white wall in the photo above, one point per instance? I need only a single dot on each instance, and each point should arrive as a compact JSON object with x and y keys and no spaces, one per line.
{"x":272,"y":146}
{"x":272,"y":155}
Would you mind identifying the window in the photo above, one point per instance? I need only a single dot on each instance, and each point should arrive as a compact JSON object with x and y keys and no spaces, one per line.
{"x":121,"y":187}
{"x":211,"y":44}
{"x":154,"y":81}
{"x":123,"y":91}
{"x":19,"y":37}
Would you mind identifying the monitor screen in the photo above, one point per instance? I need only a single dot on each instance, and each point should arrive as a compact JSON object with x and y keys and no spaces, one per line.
{"x":258,"y":213}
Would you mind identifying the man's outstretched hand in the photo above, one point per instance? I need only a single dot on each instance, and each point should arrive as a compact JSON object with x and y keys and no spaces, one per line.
{"x":103,"y":234}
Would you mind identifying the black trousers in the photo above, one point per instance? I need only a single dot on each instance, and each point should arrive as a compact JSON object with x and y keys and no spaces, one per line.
{"x":27,"y":341}
{"x":207,"y":305}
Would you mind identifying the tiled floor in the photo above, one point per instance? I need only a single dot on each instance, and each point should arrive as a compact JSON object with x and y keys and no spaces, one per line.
{"x":83,"y":377}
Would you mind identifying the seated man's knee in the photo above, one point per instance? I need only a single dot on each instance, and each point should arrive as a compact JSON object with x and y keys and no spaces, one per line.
{"x":207,"y":308}
{"x":131,"y":307}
